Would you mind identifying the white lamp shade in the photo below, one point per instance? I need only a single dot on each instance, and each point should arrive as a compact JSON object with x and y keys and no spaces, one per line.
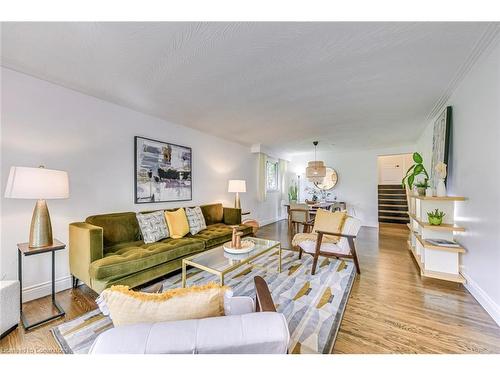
{"x":37,"y":183}
{"x":237,"y":186}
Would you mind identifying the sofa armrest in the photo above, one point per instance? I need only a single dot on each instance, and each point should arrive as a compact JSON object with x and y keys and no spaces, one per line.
{"x":254,"y":333}
{"x":85,"y":246}
{"x":231,"y":216}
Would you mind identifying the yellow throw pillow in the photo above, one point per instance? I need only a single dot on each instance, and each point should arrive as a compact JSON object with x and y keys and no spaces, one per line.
{"x":126,"y":306}
{"x":177,"y":222}
{"x":330,"y":222}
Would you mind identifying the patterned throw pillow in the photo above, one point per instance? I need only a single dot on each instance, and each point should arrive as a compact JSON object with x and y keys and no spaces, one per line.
{"x":153,"y":226}
{"x":196,"y":220}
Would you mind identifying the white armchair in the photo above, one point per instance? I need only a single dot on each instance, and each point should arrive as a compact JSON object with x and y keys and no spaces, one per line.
{"x":9,"y":306}
{"x":246,"y":328}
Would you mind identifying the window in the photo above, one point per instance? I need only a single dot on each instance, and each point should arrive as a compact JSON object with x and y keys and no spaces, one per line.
{"x":272,"y":175}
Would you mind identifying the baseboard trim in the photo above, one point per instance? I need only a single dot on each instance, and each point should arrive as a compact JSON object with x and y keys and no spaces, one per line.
{"x":44,"y":289}
{"x":482,"y":297}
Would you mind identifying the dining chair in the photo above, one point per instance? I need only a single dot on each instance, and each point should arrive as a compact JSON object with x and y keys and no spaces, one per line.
{"x":299,"y":215}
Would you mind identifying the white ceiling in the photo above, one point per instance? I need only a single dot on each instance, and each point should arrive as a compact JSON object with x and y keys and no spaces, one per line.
{"x":278,"y":84}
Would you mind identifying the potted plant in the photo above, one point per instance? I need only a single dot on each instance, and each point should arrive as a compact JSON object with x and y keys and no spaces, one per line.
{"x":435,"y":217}
{"x":414,"y":171}
{"x":293,"y":193}
{"x":421,"y":187}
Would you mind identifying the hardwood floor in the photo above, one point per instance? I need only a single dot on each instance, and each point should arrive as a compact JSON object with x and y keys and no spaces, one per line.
{"x":392,"y":309}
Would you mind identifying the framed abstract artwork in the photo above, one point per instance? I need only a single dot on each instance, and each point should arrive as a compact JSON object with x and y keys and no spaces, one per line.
{"x":163,"y":171}
{"x":441,"y":142}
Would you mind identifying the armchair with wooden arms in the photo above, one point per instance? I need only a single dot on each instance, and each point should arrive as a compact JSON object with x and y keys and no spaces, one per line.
{"x":321,"y":241}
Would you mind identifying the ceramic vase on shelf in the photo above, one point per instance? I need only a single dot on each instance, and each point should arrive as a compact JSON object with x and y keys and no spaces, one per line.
{"x":441,"y":188}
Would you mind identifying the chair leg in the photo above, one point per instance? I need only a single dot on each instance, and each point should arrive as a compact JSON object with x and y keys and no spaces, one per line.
{"x":74,"y":281}
{"x":316,"y":254}
{"x":300,"y":252}
{"x":354,"y":255}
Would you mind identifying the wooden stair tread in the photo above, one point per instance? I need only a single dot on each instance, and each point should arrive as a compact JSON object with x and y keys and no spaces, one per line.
{"x":393,"y":217}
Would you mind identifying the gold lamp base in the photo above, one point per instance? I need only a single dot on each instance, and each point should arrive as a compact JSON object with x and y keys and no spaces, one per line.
{"x":237,"y":201}
{"x":41,"y":227}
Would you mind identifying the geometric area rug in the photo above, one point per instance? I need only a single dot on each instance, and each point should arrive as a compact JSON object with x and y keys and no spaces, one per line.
{"x":312,"y":304}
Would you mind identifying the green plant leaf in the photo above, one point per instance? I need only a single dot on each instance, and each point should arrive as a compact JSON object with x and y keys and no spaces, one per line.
{"x":417,"y":158}
{"x":418,"y":169}
{"x":411,"y":178}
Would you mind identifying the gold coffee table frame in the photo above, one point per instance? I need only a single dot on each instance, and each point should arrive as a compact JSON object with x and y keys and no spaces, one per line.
{"x":191,"y":261}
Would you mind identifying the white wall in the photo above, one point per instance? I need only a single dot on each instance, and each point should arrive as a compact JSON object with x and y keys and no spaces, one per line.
{"x":357,"y":178}
{"x":93,"y":140}
{"x":475,"y":174}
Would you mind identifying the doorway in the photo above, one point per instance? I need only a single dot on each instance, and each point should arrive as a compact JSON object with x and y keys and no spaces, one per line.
{"x":392,"y":202}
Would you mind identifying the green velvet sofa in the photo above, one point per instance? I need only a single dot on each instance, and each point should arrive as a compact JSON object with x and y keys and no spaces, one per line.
{"x":108,"y":249}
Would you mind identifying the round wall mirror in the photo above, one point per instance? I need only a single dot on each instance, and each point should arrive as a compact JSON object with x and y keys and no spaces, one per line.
{"x":329,"y":181}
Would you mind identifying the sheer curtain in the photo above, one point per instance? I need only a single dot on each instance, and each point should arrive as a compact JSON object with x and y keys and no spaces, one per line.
{"x":282,"y":174}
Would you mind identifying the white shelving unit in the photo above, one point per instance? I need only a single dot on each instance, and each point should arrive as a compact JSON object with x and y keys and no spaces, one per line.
{"x":438,"y":262}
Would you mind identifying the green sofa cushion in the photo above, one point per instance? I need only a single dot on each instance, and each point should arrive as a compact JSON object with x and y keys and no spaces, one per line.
{"x":127,"y":258}
{"x":213,"y":213}
{"x":217,"y":234}
{"x":117,"y":228}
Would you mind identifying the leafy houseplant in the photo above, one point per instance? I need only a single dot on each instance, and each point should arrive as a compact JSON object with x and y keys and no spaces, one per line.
{"x":421,"y":186}
{"x":414,"y":171}
{"x":293,"y":193}
{"x":435,"y":217}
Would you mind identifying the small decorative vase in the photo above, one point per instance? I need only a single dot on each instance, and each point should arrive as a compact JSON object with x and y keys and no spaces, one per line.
{"x":441,"y":188}
{"x":421,"y":191}
{"x":428,"y":192}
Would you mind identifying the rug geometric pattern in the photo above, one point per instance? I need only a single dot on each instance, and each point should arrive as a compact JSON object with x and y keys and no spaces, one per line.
{"x":312,"y":304}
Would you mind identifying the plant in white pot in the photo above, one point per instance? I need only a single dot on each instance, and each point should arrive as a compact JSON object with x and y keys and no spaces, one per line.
{"x":293,"y":193}
{"x":415,"y":170}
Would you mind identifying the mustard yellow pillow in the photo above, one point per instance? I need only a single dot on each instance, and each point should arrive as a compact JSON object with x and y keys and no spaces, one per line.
{"x":330,"y":222}
{"x":126,"y":306}
{"x":177,"y":223}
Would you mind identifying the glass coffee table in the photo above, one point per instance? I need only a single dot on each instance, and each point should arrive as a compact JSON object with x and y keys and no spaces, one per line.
{"x":219,"y":262}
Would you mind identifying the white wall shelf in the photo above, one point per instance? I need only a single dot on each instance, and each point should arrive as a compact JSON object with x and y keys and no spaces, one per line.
{"x":439,"y":262}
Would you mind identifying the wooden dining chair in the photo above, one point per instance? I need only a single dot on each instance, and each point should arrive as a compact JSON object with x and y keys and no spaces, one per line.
{"x":316,"y":245}
{"x":299,"y":216}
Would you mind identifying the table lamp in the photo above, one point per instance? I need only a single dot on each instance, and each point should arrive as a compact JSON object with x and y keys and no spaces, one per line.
{"x":40,"y":184}
{"x":237,"y":186}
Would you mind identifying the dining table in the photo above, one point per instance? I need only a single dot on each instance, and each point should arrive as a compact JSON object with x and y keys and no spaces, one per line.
{"x":322,"y":205}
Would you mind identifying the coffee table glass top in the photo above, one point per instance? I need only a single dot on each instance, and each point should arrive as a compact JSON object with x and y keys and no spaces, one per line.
{"x":221,"y":261}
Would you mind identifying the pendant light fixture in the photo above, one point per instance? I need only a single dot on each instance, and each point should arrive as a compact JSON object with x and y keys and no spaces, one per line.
{"x":316,"y":170}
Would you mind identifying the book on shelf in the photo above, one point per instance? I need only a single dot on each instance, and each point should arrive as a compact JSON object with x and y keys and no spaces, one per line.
{"x":440,"y":242}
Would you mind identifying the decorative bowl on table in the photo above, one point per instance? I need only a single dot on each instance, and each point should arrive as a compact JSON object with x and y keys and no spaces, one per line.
{"x":246,"y":246}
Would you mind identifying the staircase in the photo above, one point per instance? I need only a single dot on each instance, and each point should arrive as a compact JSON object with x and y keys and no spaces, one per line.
{"x":392,"y":204}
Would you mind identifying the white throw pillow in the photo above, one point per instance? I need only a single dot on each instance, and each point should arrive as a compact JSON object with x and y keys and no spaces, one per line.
{"x":153,"y":226}
{"x":196,"y":220}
